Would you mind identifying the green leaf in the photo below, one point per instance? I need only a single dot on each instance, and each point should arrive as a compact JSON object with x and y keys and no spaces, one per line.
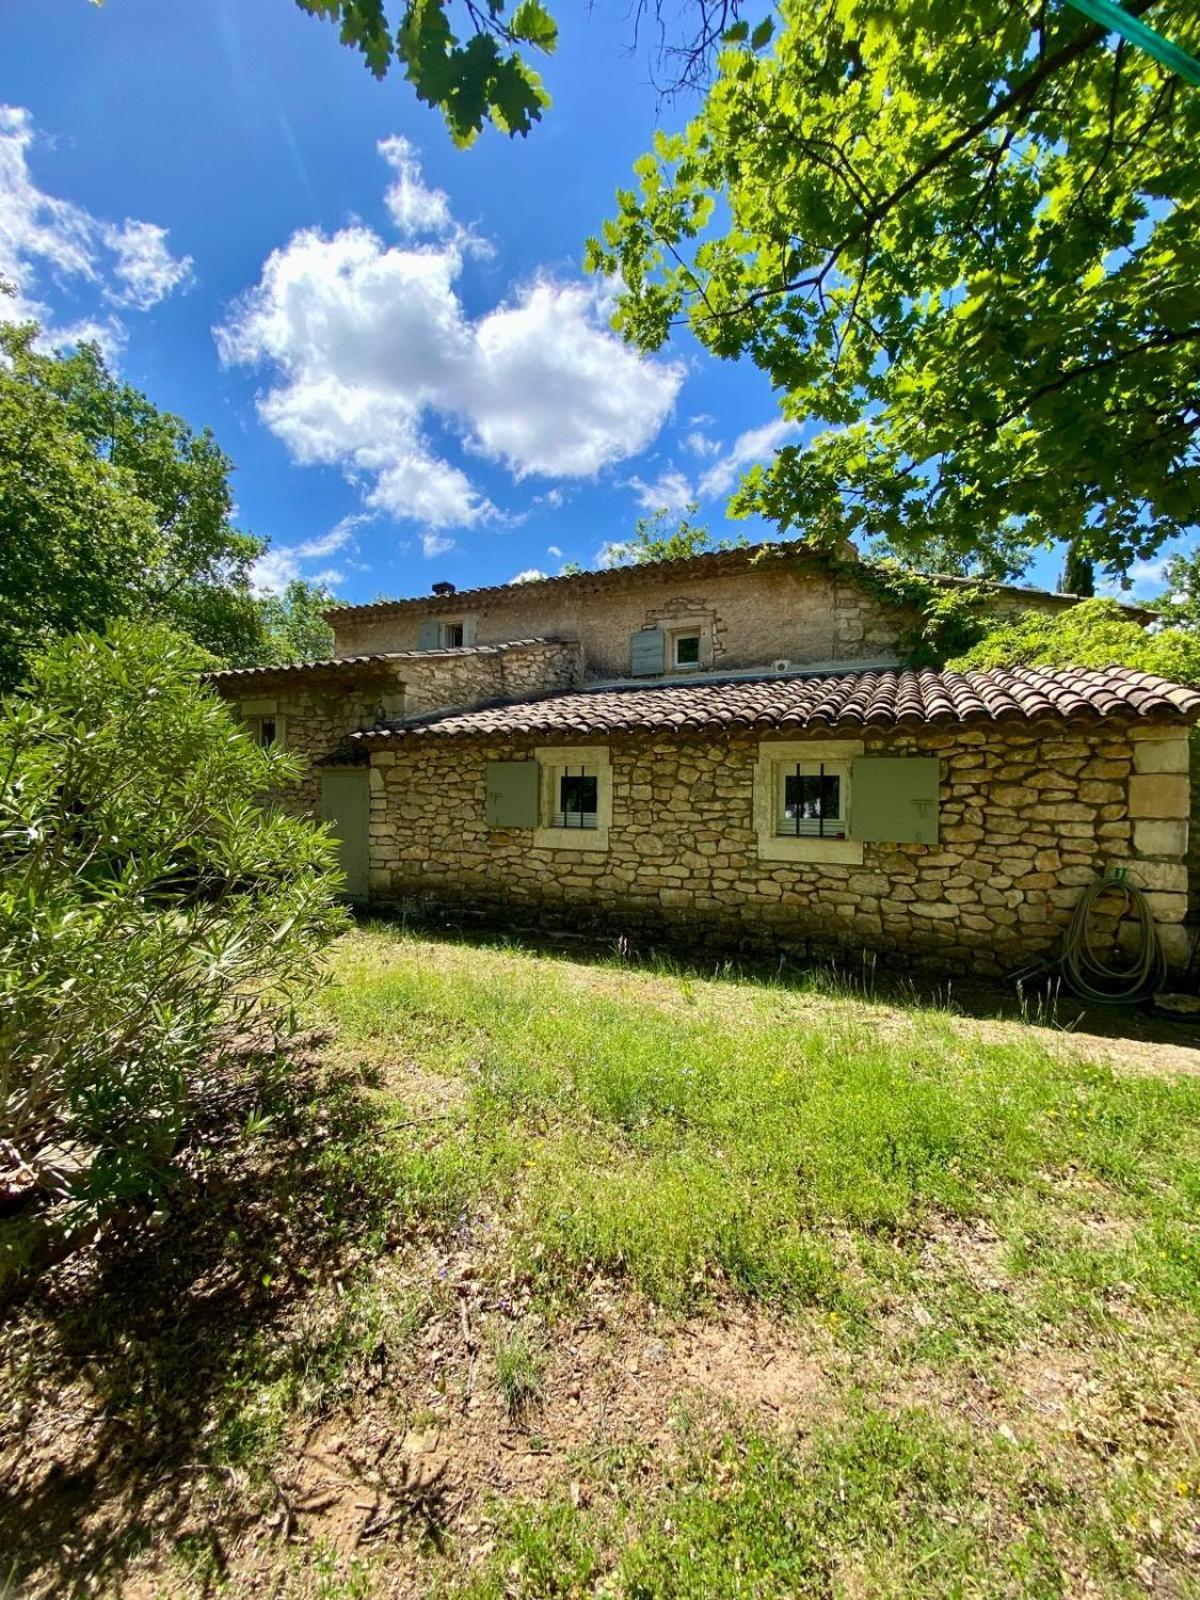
{"x":534,"y":24}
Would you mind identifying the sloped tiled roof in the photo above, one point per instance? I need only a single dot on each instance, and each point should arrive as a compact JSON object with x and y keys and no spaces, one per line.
{"x":339,"y":663}
{"x":797,"y":703}
{"x":707,"y":564}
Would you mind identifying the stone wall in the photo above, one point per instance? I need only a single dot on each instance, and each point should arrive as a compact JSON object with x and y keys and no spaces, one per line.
{"x":315,"y":714}
{"x":451,"y":680}
{"x":1028,"y":816}
{"x":794,"y":612}
{"x":790,"y":608}
{"x":318,"y":708}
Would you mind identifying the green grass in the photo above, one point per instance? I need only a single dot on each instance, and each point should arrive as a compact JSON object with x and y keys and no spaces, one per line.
{"x":749,"y":1140}
{"x":880,"y":1504}
{"x":517,"y":1170}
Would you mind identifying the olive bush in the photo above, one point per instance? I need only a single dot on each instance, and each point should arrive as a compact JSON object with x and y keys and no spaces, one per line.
{"x":155,"y":910}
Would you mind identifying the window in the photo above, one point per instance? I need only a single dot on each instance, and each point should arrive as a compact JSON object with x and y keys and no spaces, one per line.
{"x":446,"y":633}
{"x":264,"y":726}
{"x":577,"y":800}
{"x":811,"y":800}
{"x":803,"y":800}
{"x":687,"y":649}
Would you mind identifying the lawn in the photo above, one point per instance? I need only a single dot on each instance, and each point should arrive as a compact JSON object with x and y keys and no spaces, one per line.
{"x":567,"y":1277}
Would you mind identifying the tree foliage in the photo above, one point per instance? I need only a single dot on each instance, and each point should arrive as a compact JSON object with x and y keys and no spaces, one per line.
{"x":475,"y":75}
{"x":111,"y":508}
{"x":1095,"y":633}
{"x":657,"y":538}
{"x":965,"y":241}
{"x":294,"y":626}
{"x":151,"y":908}
{"x":469,"y":57}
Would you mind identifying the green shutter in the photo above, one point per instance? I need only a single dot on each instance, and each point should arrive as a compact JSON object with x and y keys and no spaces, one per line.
{"x":430,"y":636}
{"x":512,"y":794}
{"x":647,"y":653}
{"x":894,"y":799}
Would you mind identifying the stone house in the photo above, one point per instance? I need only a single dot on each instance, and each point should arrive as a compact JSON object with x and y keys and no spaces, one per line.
{"x":727,"y":750}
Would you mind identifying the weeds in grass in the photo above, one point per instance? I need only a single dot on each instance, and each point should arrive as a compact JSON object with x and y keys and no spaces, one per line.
{"x":518,"y":1371}
{"x":881,"y":1504}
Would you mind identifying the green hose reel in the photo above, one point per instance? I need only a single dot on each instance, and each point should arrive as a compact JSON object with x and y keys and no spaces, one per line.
{"x":1089,"y":973}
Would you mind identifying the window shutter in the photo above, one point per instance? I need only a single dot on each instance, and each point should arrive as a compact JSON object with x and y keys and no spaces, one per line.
{"x":647,"y":653}
{"x":429,"y":634}
{"x":894,"y":799}
{"x":512,"y":794}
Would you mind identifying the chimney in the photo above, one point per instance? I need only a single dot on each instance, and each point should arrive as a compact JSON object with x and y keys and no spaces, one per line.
{"x":444,"y":588}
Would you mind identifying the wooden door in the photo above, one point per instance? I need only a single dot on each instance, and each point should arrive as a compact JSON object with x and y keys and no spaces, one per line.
{"x":346,"y":809}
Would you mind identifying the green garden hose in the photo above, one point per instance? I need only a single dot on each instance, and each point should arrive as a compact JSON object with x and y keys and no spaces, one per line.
{"x":1083,"y":968}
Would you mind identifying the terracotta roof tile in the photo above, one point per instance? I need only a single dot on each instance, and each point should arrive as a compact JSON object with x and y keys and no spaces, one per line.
{"x":339,"y":663}
{"x":845,"y":700}
{"x":674,"y":568}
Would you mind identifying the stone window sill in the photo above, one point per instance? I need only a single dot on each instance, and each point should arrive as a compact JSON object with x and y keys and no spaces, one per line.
{"x":777,"y":847}
{"x":595,"y":839}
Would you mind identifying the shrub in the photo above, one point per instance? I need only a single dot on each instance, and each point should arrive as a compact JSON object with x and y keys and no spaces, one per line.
{"x":1095,"y":633}
{"x":154,"y":910}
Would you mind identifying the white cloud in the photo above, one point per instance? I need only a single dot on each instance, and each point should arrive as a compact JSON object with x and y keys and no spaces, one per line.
{"x":1148,"y":577}
{"x":700,"y":444}
{"x":553,"y":550}
{"x":145,"y":268}
{"x":338,"y":537}
{"x":370,"y":344}
{"x":530,"y":575}
{"x":435,"y":544}
{"x":281,"y":564}
{"x":612,"y":553}
{"x":127,"y":264}
{"x":274,"y":570}
{"x":413,"y":206}
{"x":670,"y":491}
{"x":753,"y":445}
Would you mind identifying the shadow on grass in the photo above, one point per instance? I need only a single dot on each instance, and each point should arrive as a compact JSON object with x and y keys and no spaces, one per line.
{"x":857,"y":975}
{"x":133,"y":1369}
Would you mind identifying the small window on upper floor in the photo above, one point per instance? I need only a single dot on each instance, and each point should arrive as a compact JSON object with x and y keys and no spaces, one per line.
{"x":450,"y":635}
{"x":685,"y":648}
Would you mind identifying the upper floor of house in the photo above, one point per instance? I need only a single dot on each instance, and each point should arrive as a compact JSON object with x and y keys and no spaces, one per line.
{"x":773,"y":610}
{"x":768,"y":608}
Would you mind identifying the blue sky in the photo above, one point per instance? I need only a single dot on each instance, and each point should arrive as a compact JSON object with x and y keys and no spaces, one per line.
{"x":392,"y":338}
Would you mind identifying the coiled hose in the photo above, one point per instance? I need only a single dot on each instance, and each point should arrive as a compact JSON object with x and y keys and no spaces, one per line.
{"x":1083,"y":968}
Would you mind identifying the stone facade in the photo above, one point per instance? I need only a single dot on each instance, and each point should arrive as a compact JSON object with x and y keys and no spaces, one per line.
{"x":1028,"y":811}
{"x":797,"y":612}
{"x":442,"y":681}
{"x":1028,"y":815}
{"x":317,"y":710}
{"x":784,"y":606}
